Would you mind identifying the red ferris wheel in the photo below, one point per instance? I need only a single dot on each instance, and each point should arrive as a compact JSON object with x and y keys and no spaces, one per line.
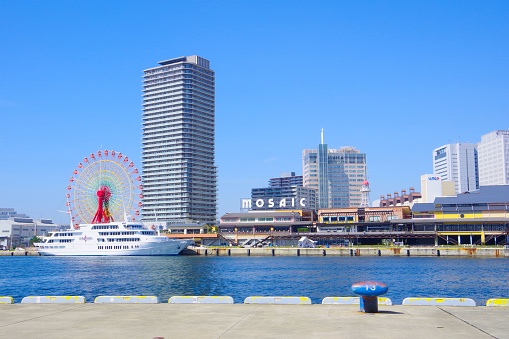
{"x":105,"y":186}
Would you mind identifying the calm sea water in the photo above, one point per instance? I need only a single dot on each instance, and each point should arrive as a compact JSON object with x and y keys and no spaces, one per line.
{"x":240,"y":277}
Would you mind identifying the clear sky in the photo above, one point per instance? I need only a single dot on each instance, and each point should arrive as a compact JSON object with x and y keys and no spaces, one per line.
{"x":395,"y":79}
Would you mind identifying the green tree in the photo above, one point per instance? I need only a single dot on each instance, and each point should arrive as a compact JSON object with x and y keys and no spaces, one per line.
{"x":34,"y":239}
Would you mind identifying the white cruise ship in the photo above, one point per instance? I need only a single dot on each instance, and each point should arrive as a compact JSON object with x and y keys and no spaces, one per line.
{"x":112,"y":238}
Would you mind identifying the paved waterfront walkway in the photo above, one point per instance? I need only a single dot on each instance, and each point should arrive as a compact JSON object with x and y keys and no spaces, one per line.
{"x":249,"y":321}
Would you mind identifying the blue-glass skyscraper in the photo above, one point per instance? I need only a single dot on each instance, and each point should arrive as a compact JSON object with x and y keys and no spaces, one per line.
{"x":336,"y":174}
{"x":323,"y":175}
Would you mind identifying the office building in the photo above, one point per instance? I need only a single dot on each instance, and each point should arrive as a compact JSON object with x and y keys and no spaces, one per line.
{"x":179,"y":173}
{"x":432,"y":186}
{"x":457,"y":163}
{"x":494,"y":158}
{"x":336,"y":174}
{"x":285,"y":180}
{"x":17,"y":231}
{"x":6,"y":213}
{"x":285,"y":192}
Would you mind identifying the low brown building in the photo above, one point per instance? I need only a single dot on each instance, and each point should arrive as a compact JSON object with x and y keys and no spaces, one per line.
{"x":366,"y":214}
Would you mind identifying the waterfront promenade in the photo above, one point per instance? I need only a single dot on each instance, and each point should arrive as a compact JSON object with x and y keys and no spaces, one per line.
{"x":249,"y":321}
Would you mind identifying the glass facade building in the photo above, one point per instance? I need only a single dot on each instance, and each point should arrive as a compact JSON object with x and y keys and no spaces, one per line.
{"x":178,"y":148}
{"x":336,"y":174}
{"x":323,"y":177}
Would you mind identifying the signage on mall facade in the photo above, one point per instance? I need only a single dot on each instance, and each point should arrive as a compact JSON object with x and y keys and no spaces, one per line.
{"x":273,"y":203}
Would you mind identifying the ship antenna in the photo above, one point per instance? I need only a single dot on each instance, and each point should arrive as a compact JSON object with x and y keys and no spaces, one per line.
{"x":70,"y":218}
{"x":123,"y":206}
{"x":125,"y":214}
{"x":157,"y":224}
{"x":68,"y":212}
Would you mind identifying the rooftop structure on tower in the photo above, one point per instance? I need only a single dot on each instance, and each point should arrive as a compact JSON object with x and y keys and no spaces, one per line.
{"x":365,"y":194}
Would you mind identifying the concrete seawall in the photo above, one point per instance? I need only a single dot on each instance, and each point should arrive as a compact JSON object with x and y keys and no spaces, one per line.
{"x":18,"y":253}
{"x":353,"y":251}
{"x":483,"y":252}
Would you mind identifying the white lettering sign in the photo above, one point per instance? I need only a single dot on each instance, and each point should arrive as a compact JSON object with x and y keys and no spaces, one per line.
{"x":271,"y":203}
{"x":246,"y":203}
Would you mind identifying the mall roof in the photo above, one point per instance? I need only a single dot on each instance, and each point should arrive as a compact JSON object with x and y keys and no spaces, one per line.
{"x":485,"y":194}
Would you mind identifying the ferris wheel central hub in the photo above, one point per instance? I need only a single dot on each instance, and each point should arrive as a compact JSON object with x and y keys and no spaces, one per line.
{"x":103,"y":214}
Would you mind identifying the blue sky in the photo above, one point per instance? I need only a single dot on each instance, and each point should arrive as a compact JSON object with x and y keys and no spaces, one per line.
{"x":395,"y":79}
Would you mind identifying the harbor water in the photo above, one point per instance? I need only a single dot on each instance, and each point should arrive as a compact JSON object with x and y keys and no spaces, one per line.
{"x":239,"y":277}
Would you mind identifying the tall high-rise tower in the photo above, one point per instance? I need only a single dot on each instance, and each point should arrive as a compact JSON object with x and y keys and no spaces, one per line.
{"x":179,"y":173}
{"x":457,"y":163}
{"x":323,"y":175}
{"x":336,"y":174}
{"x":494,"y":158}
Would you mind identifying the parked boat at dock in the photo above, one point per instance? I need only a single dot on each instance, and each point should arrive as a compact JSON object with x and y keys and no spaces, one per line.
{"x":112,"y":238}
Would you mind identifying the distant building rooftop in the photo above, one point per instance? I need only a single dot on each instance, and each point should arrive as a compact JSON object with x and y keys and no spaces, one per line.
{"x":485,"y":194}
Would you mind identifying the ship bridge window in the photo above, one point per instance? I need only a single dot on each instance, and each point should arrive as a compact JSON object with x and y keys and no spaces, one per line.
{"x":123,"y":239}
{"x":105,"y":227}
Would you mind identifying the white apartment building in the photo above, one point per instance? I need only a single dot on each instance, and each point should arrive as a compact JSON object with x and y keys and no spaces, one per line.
{"x":457,"y":163}
{"x":494,"y":158}
{"x":178,"y":149}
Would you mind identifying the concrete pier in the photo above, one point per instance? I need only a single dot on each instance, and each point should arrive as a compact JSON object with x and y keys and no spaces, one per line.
{"x":485,"y":252}
{"x":17,"y":253}
{"x":249,"y":321}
